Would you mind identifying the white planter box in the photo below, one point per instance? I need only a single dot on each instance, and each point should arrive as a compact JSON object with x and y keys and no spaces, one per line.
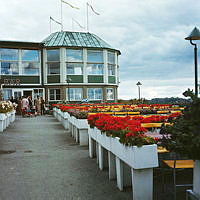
{"x":65,"y":115}
{"x":2,"y":116}
{"x":136,"y":157}
{"x":2,"y":121}
{"x":82,"y":124}
{"x":104,"y":140}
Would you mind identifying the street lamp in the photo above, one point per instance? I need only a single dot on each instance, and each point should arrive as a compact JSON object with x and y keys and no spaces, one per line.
{"x":68,"y":80}
{"x":195,"y":35}
{"x":139,"y":84}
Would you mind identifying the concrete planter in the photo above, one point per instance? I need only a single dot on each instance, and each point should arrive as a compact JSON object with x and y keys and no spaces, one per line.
{"x":13,"y":115}
{"x":196,"y":177}
{"x":2,"y":121}
{"x":128,"y":164}
{"x":82,"y":124}
{"x":65,"y":120}
{"x":136,"y":157}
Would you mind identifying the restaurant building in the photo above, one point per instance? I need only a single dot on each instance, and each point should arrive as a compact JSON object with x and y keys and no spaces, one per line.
{"x":72,"y":66}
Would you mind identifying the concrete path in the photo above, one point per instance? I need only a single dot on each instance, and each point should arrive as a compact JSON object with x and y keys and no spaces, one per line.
{"x":40,"y":161}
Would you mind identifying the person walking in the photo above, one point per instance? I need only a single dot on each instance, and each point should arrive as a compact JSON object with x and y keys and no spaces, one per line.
{"x":38,"y":105}
{"x":24,"y":105}
{"x":42,"y":106}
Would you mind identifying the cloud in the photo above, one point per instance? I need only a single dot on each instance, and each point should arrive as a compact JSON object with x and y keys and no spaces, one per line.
{"x":149,"y":33}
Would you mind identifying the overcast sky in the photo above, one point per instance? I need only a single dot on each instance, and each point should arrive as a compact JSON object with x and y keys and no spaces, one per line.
{"x":149,"y":33}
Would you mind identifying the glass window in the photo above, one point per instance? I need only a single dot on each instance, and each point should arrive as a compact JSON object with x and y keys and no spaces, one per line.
{"x":110,"y":93}
{"x":53,"y":68}
{"x":9,"y":68}
{"x":53,"y":55}
{"x":54,"y":94}
{"x":111,"y":70}
{"x":75,"y":94}
{"x":37,"y":92}
{"x":7,"y":94}
{"x":94,"y":56}
{"x":74,"y":55}
{"x":95,"y":94}
{"x":74,"y":68}
{"x":9,"y":54}
{"x":111,"y":57}
{"x":30,"y":68}
{"x":95,"y":69}
{"x":30,"y":55}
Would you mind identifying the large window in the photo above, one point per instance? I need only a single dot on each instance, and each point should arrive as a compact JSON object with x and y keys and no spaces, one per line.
{"x":111,"y":58}
{"x":54,"y":94}
{"x":9,"y":67}
{"x":53,"y":61}
{"x":9,"y":61}
{"x":30,"y":68}
{"x":74,"y":59}
{"x":30,"y":55}
{"x":9,"y":54}
{"x":7,"y":94}
{"x":74,"y":68}
{"x":30,"y":62}
{"x":74,"y":55}
{"x":95,"y":69}
{"x":95,"y":94}
{"x":53,"y":68}
{"x":75,"y":94}
{"x":111,"y":70}
{"x":110,"y":93}
{"x":53,"y":55}
{"x":94,"y":56}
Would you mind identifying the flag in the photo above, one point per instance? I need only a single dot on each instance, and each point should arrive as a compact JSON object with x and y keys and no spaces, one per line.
{"x":78,"y":23}
{"x":69,"y":4}
{"x":92,"y":9}
{"x":51,"y":18}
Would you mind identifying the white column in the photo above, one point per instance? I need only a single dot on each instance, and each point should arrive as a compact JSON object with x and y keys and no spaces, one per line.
{"x":142,"y":184}
{"x":112,"y":167}
{"x":105,"y":58}
{"x":20,"y":62}
{"x":45,"y":66}
{"x":103,"y":157}
{"x":91,"y":147}
{"x":123,"y":172}
{"x":196,"y":177}
{"x":83,"y":137}
{"x":85,"y":79}
{"x":62,"y":66}
{"x":116,"y":68}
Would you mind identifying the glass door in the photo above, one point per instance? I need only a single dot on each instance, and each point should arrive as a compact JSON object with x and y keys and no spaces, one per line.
{"x":17,"y":94}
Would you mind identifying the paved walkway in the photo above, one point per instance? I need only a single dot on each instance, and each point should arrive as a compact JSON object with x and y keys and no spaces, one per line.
{"x":40,"y":161}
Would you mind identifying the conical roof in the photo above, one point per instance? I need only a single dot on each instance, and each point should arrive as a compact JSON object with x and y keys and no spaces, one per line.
{"x":74,"y":39}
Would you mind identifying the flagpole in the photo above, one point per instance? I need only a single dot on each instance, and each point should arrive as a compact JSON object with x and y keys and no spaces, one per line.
{"x":87,"y":18}
{"x":50,"y":25}
{"x":61,"y":15}
{"x":72,"y":24}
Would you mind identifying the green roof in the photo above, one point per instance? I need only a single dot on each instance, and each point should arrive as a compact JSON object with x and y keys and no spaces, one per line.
{"x":75,"y":39}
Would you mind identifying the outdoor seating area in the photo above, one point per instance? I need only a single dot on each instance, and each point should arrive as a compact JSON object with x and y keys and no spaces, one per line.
{"x":132,"y":166}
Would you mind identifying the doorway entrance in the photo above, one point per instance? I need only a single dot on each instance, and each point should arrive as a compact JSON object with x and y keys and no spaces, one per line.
{"x":27,"y":93}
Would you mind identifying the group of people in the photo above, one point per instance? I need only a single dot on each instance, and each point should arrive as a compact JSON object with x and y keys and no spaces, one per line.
{"x":31,"y":107}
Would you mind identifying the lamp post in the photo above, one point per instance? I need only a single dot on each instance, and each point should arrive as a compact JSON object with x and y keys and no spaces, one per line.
{"x":195,"y":35}
{"x":68,"y":80}
{"x":139,"y":84}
